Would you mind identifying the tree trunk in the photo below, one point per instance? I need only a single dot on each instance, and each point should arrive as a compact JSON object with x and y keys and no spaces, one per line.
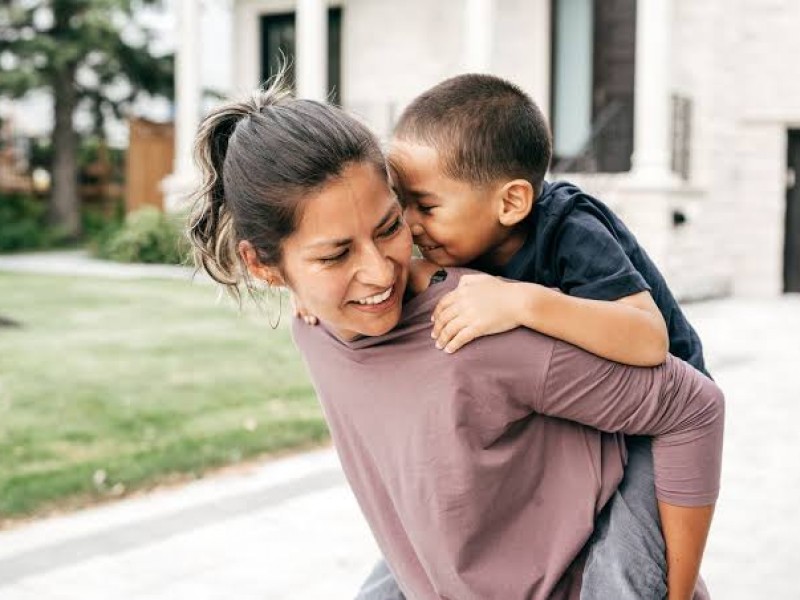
{"x":65,"y":210}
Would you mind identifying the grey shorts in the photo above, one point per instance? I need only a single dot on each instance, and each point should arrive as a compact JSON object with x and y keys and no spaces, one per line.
{"x":626,"y":557}
{"x":626,"y":554}
{"x":380,"y":585}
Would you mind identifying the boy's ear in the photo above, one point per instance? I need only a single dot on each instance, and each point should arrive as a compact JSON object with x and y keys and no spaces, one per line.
{"x":256,"y":268}
{"x":516,"y":202}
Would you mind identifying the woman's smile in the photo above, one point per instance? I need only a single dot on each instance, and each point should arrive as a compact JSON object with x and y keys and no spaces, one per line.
{"x":379,"y":303}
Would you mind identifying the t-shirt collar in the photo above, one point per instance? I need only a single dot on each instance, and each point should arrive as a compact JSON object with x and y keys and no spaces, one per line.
{"x":518,"y":265}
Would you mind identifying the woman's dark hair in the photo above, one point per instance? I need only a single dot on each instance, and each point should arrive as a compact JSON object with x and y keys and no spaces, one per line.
{"x":259,"y":158}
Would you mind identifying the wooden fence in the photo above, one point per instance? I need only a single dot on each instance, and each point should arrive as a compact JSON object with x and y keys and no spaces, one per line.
{"x":148,"y":162}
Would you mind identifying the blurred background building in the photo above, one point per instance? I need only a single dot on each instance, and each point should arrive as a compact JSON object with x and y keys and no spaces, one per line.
{"x":682,"y":115}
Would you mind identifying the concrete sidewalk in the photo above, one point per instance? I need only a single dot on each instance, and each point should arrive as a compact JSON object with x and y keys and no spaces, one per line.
{"x":79,"y":263}
{"x":290,"y":529}
{"x":285,"y":530}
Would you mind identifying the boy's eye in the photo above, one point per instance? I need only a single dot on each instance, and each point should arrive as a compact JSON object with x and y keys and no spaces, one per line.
{"x":327,"y":260}
{"x":425,"y":209}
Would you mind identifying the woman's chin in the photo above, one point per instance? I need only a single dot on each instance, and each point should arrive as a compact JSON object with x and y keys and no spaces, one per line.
{"x":377,"y":319}
{"x":383,"y":324}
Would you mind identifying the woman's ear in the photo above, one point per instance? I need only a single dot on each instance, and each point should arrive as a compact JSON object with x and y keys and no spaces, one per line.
{"x":269,"y":274}
{"x":516,"y":202}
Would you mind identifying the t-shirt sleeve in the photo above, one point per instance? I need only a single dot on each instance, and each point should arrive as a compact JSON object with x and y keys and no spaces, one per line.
{"x":681,"y":408}
{"x":590,"y":261}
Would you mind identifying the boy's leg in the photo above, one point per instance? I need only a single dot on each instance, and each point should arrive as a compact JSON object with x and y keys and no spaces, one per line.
{"x":626,"y":559}
{"x":380,"y":585}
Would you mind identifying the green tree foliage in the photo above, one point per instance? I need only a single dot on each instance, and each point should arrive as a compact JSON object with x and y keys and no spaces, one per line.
{"x":88,"y":54}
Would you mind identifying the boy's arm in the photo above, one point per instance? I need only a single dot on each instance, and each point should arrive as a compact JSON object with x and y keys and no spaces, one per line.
{"x":630,"y":330}
{"x":682,"y":409}
{"x":685,"y":532}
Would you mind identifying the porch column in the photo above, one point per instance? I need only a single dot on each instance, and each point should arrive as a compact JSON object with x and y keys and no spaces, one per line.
{"x":312,"y":49}
{"x":651,"y":155}
{"x":179,"y":185}
{"x":478,"y":26}
{"x":246,"y":36}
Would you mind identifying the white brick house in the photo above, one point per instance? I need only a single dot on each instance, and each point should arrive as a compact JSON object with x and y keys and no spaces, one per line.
{"x":684,"y":115}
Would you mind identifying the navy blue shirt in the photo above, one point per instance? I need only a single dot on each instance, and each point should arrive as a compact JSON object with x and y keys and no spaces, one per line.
{"x":577,"y":244}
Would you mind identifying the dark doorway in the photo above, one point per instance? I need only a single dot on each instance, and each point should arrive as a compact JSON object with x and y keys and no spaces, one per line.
{"x":593,"y":66}
{"x":612,"y":99}
{"x":791,"y":251}
{"x":278,"y":44}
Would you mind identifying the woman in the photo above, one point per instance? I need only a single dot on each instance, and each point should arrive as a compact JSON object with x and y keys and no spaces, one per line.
{"x":481,"y":473}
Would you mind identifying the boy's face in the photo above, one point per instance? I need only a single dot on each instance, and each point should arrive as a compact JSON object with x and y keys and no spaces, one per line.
{"x":452,"y":222}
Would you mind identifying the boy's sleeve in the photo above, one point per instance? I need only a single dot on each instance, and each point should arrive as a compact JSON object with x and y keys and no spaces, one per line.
{"x":681,"y":408}
{"x":590,"y":260}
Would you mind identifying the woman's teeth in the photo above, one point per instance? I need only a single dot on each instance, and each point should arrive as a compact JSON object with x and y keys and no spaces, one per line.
{"x":378,"y":298}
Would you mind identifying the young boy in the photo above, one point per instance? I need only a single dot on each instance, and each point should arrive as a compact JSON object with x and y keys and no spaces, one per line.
{"x":469,"y":157}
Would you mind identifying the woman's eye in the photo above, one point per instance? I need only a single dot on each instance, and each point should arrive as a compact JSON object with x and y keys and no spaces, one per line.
{"x":393,"y":228}
{"x":333,"y":259}
{"x":425,"y":210}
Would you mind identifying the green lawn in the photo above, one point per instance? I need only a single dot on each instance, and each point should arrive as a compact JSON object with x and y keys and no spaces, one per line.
{"x":111,"y":386}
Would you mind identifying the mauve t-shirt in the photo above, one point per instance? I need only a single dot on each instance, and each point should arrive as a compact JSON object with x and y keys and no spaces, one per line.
{"x":481,"y":472}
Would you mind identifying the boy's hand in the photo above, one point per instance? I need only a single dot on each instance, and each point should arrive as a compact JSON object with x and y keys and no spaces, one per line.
{"x":480,"y":305}
{"x":300,"y":312}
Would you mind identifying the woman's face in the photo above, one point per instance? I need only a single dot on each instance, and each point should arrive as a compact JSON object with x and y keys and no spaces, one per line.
{"x":347,"y":261}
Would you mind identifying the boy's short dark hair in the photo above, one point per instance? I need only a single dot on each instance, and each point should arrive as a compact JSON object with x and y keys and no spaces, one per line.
{"x":484,"y":129}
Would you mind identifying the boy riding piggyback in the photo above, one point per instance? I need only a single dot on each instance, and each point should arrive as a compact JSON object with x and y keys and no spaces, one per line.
{"x":469,"y":158}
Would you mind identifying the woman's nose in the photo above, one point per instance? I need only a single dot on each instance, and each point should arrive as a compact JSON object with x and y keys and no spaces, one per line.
{"x":376,"y":268}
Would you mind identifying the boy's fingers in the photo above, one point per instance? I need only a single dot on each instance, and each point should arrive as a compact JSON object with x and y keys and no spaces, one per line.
{"x":463,"y":337}
{"x":438,"y":325}
{"x":447,"y":315}
{"x":444,"y":303}
{"x":440,"y":319}
{"x":448,"y":332}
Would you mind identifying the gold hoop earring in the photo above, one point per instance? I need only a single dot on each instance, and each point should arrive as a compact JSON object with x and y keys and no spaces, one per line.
{"x":270,"y":301}
{"x":263,"y":295}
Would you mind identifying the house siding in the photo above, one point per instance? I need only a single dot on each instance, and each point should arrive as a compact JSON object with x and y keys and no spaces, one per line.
{"x":734,"y":59}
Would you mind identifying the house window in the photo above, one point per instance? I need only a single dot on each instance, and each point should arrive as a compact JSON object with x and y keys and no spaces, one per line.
{"x":594,"y":43}
{"x":278,"y":44}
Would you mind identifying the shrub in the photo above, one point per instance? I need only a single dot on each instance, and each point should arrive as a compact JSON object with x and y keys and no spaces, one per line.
{"x":22,"y":223}
{"x":99,"y":226}
{"x":146,"y":236}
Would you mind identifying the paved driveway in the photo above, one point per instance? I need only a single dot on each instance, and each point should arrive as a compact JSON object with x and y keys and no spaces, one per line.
{"x":290,"y":529}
